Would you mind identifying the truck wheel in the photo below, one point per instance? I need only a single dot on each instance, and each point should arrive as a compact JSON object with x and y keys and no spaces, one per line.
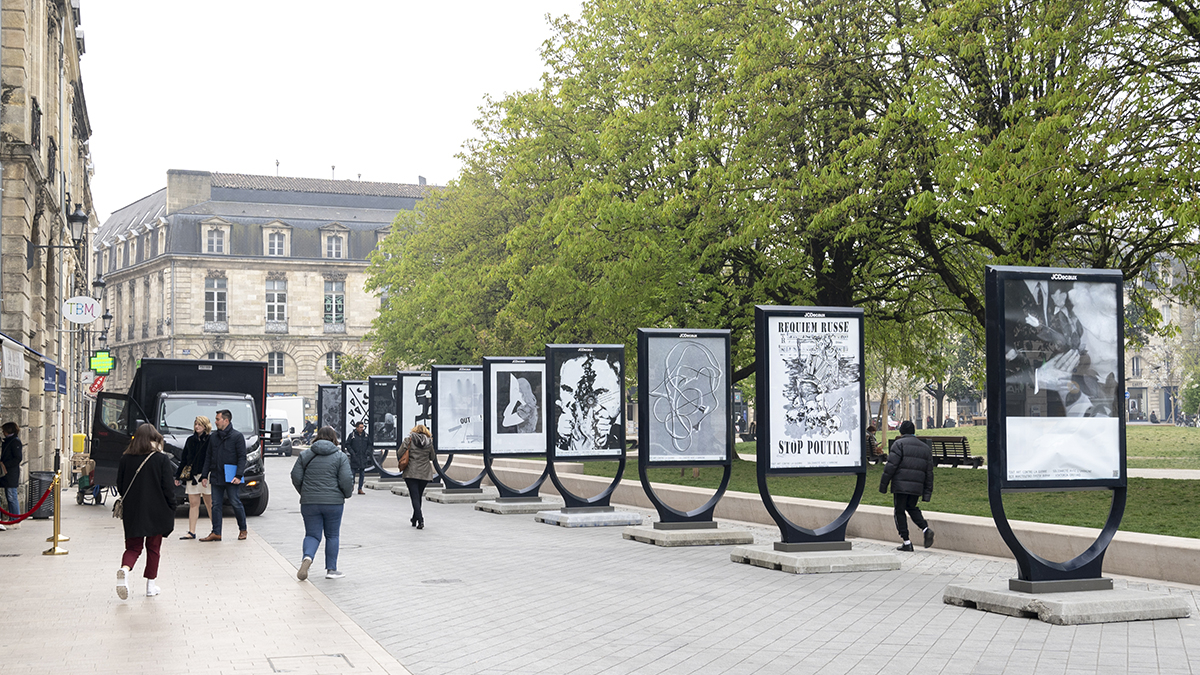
{"x":255,"y":507}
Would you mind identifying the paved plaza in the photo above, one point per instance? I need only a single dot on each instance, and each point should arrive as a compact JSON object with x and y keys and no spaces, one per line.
{"x":476,"y":592}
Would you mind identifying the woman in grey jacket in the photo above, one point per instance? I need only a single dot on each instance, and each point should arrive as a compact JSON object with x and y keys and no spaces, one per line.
{"x":420,"y":471}
{"x":322,"y":477}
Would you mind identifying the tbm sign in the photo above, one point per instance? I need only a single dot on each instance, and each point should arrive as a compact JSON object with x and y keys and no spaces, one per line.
{"x":81,"y":309}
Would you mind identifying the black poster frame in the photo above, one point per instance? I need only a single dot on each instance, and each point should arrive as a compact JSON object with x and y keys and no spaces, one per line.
{"x":556,"y":355}
{"x":506,"y":492}
{"x":794,"y":537}
{"x":326,"y":392}
{"x":646,"y":396}
{"x":1035,"y":573}
{"x":376,"y":404}
{"x":451,"y":484}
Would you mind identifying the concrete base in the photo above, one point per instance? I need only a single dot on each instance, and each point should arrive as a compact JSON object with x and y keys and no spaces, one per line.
{"x":565,"y":518}
{"x":521,"y":506}
{"x":815,"y":562}
{"x":1067,"y":609}
{"x":467,"y":497}
{"x":402,"y":489}
{"x":378,"y":484}
{"x":688,"y":537}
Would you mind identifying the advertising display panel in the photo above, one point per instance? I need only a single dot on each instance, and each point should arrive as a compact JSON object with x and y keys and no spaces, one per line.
{"x":684,"y":397}
{"x":515,"y":405}
{"x":458,"y":408}
{"x":356,"y":405}
{"x":329,"y":407}
{"x":587,"y":385}
{"x":811,"y":392}
{"x":1055,"y":340}
{"x":383,"y":402}
{"x":415,"y":391}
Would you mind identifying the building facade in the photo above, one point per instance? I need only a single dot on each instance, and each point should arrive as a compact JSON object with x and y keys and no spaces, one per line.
{"x":45,"y":168}
{"x":1154,"y":373}
{"x":236,"y":266}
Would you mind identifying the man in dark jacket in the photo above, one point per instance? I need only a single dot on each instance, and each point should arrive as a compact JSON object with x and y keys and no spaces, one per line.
{"x":11,"y":455}
{"x":226,"y":447}
{"x":358,"y":444}
{"x":910,"y":471}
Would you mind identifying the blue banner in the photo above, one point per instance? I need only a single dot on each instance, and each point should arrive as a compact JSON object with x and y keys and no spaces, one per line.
{"x":50,"y":383}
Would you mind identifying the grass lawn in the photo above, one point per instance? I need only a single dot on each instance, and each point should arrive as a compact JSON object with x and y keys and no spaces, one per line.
{"x":1154,"y":506}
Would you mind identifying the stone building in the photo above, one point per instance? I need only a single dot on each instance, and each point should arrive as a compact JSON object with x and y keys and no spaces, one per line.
{"x":46,"y":168}
{"x":1154,"y":373}
{"x":235,"y":266}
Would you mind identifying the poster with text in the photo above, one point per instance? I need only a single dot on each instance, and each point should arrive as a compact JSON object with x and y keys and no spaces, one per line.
{"x":383,"y":428}
{"x":458,"y":409}
{"x":587,"y":400}
{"x":517,"y":419}
{"x":356,"y":402}
{"x":687,"y":394}
{"x":415,"y":389}
{"x":815,"y":391}
{"x":1062,"y":377}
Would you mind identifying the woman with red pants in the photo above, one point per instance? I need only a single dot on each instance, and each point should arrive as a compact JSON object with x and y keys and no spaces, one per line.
{"x":146,"y":482}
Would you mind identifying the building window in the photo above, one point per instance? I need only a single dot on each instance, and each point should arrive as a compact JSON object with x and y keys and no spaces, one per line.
{"x":333,"y":361}
{"x":275,"y":363}
{"x":216,"y":241}
{"x":214,"y":300}
{"x":335,"y":302}
{"x":218,"y":356}
{"x":276,"y":300}
{"x":275,"y":242}
{"x":333,"y":246}
{"x":1135,"y":366}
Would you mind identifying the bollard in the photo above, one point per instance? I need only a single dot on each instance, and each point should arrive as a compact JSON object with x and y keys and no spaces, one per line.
{"x":57,"y":538}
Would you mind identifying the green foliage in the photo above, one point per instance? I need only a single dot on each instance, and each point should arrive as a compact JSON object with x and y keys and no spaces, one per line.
{"x":353,"y":367}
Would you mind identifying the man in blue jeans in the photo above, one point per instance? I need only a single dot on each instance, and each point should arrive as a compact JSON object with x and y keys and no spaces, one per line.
{"x":226,"y":446}
{"x":10,"y":455}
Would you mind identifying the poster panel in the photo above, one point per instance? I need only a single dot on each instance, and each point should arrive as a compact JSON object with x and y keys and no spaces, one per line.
{"x":458,"y":408}
{"x":1063,"y":377}
{"x":383,"y":411}
{"x":329,"y":407}
{"x":686,"y":395}
{"x":815,"y":389}
{"x":587,"y":417}
{"x":516,"y":418}
{"x":356,"y":402}
{"x":415,"y":389}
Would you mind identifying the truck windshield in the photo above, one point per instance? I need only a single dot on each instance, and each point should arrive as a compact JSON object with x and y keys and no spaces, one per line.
{"x":179,"y":414}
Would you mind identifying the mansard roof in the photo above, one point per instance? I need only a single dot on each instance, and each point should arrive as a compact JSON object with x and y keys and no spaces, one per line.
{"x":322,"y":185}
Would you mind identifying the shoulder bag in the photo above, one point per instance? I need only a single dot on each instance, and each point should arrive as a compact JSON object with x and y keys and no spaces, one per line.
{"x":119,"y":504}
{"x":402,"y":463}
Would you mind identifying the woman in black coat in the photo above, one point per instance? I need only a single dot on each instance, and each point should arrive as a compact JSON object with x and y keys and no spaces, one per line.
{"x":146,"y":482}
{"x":10,"y":456}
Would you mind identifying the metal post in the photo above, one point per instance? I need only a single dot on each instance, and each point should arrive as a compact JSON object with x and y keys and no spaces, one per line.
{"x":56,"y":488}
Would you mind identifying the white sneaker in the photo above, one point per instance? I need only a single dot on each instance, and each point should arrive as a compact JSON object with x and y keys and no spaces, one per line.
{"x":151,"y":588}
{"x":302,"y":573}
{"x":334,"y":574}
{"x":3,"y":528}
{"x":122,"y":584}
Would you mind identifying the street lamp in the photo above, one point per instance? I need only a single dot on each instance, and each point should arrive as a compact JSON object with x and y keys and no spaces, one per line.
{"x":78,"y":222}
{"x":98,"y":287}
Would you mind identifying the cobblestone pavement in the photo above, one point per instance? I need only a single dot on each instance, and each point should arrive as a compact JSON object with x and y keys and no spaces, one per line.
{"x":476,"y":592}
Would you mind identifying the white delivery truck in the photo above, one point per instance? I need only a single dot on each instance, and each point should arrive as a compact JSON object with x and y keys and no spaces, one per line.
{"x":288,"y":413}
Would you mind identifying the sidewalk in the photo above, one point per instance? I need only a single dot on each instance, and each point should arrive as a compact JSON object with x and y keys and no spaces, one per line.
{"x":229,"y":607}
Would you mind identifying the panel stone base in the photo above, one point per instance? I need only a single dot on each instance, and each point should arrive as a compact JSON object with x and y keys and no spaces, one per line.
{"x":588,"y":519}
{"x":815,"y":562}
{"x":453,"y":497}
{"x":402,"y":489}
{"x":531,"y":506}
{"x":713,"y":536}
{"x":378,"y":484}
{"x":1067,"y":609}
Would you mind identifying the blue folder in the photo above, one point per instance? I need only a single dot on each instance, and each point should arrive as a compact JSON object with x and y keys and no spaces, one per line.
{"x":230,"y":472}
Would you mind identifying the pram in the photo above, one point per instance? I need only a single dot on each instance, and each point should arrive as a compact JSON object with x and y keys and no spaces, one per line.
{"x":89,"y":492}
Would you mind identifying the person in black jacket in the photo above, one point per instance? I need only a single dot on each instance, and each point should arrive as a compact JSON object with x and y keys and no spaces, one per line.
{"x":358,"y":444}
{"x":145,"y":480}
{"x":11,"y":455}
{"x":910,"y":471}
{"x":226,"y":447}
{"x":195,"y":458}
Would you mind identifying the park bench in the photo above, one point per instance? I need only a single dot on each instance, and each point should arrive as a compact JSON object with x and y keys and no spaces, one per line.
{"x":952,"y":450}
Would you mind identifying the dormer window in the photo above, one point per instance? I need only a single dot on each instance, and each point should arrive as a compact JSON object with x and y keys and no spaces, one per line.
{"x":276,"y":242}
{"x":333,"y":246}
{"x":215,"y":241}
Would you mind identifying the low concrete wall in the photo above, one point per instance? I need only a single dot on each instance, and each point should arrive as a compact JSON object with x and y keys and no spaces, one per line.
{"x":1149,"y":556}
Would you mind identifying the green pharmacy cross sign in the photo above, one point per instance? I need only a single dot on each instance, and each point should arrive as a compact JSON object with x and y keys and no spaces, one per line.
{"x":101,"y":362}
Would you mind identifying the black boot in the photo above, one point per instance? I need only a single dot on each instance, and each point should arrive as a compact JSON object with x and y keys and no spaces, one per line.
{"x":413,"y":521}
{"x":421,"y":524}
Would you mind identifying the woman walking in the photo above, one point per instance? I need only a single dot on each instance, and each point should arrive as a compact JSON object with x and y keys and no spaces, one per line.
{"x":195,"y":455}
{"x":145,"y":481}
{"x":322,"y":477}
{"x":419,"y":471}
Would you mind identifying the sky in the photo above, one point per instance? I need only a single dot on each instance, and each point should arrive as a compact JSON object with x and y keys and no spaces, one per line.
{"x":385,"y":89}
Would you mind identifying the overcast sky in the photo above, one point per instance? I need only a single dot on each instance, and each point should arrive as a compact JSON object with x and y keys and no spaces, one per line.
{"x":383,"y":88}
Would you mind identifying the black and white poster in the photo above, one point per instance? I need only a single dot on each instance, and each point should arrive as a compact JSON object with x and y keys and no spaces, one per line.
{"x":815,"y":387}
{"x":383,"y":408}
{"x":329,"y":407}
{"x":685,"y":393}
{"x":587,"y":400}
{"x":516,"y":419}
{"x":415,"y":389}
{"x":1062,"y":376}
{"x":458,"y":408}
{"x":356,"y":402}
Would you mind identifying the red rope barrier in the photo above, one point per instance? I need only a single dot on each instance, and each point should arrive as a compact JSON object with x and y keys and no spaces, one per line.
{"x":23,"y":516}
